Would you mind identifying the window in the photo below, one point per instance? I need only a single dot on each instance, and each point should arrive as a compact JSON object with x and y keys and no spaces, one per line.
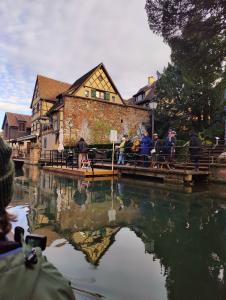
{"x":97,"y":94}
{"x":45,"y":143}
{"x":56,"y":139}
{"x":56,"y":122}
{"x":113,"y":98}
{"x":107,"y":96}
{"x":93,"y":93}
{"x":100,"y":95}
{"x":100,"y":78}
{"x":86,"y":93}
{"x":139,"y":97}
{"x":38,"y":106}
{"x":22,"y":126}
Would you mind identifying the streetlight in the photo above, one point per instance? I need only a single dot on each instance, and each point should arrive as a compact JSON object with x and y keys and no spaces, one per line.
{"x":152,"y":105}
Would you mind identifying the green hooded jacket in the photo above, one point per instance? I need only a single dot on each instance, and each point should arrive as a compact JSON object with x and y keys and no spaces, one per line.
{"x":40,"y":281}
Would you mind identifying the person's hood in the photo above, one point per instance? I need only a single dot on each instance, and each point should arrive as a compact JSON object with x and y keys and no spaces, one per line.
{"x":18,"y":281}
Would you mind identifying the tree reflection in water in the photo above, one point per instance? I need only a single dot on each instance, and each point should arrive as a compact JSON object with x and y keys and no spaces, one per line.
{"x":185,"y":231}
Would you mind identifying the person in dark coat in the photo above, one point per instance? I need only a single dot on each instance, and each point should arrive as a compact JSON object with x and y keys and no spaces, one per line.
{"x":169,"y":148}
{"x":195,"y":148}
{"x":156,"y":150}
{"x":145,"y":147}
{"x":82,"y":150}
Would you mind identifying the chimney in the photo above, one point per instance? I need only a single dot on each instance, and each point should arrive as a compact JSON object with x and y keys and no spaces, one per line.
{"x":151,"y":80}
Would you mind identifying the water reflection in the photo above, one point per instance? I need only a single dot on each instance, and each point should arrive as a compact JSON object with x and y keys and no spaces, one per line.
{"x":184,"y":232}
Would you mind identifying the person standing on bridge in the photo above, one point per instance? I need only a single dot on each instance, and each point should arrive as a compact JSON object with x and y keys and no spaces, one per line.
{"x":145,"y":148}
{"x":169,"y":148}
{"x":121,"y":148}
{"x":195,"y":147}
{"x":82,"y":148}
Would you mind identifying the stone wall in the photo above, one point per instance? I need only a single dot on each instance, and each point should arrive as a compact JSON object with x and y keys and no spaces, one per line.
{"x":93,"y":120}
{"x":35,"y":153}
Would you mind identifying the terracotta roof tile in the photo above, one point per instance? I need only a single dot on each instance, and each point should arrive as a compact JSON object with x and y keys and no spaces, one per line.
{"x":50,"y":88}
{"x":13,"y":119}
{"x":149,"y":88}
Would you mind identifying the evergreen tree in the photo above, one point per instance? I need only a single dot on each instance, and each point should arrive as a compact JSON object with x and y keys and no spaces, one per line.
{"x":196,"y":33}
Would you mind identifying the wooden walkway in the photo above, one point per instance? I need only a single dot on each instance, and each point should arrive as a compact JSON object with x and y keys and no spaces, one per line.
{"x":175,"y":176}
{"x":82,"y":172}
{"x":178,"y":176}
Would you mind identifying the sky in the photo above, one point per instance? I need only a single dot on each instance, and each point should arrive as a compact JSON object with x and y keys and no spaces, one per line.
{"x":64,"y":39}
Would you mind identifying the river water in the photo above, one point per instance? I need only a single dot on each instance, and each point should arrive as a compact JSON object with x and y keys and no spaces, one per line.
{"x":128,"y":239}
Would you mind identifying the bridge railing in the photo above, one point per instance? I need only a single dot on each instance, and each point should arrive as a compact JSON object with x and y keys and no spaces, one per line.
{"x":179,"y":157}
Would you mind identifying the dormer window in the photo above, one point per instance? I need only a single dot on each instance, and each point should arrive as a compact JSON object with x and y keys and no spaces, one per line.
{"x":22,"y":126}
{"x":139,"y":97}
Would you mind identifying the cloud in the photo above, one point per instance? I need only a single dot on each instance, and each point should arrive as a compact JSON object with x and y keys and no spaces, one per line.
{"x":13,"y":107}
{"x":64,"y":39}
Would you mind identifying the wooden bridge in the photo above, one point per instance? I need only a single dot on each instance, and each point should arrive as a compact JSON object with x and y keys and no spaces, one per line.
{"x":176,"y":176}
{"x":183,"y":171}
{"x":82,"y":172}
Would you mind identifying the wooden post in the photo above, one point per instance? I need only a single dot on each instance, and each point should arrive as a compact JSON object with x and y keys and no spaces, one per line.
{"x":113,"y":139}
{"x":113,"y":156}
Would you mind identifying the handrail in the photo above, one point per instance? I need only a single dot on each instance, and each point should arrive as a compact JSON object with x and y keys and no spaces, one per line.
{"x":180,"y":157}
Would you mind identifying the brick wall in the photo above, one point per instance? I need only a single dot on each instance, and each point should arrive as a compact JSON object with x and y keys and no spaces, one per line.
{"x":93,"y":120}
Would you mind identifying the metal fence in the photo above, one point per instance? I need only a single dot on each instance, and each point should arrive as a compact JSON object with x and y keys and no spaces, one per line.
{"x":179,"y":157}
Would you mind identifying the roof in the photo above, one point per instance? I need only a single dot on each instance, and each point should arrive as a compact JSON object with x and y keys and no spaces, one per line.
{"x":13,"y":119}
{"x":93,"y":244}
{"x":74,"y":87}
{"x":142,"y":90}
{"x":149,"y":90}
{"x":49,"y":88}
{"x":27,"y":138}
{"x":79,"y":82}
{"x":145,"y":88}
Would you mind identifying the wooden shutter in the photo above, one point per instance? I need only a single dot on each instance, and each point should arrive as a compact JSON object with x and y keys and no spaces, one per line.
{"x":93,"y":93}
{"x":107,"y":96}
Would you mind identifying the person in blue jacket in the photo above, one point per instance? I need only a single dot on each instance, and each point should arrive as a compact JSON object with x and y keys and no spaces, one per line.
{"x":145,"y":147}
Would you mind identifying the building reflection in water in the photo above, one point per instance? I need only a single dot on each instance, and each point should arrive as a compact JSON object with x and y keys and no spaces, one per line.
{"x":185,"y":232}
{"x":87,"y":213}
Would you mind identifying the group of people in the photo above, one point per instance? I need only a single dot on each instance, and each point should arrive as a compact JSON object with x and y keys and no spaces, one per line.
{"x":148,"y":150}
{"x":148,"y":147}
{"x":151,"y":151}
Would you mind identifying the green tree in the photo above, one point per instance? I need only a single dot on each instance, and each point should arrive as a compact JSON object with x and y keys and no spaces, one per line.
{"x":195,"y":31}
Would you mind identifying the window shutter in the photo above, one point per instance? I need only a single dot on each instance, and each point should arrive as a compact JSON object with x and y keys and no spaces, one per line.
{"x":107,"y":96}
{"x":93,"y":93}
